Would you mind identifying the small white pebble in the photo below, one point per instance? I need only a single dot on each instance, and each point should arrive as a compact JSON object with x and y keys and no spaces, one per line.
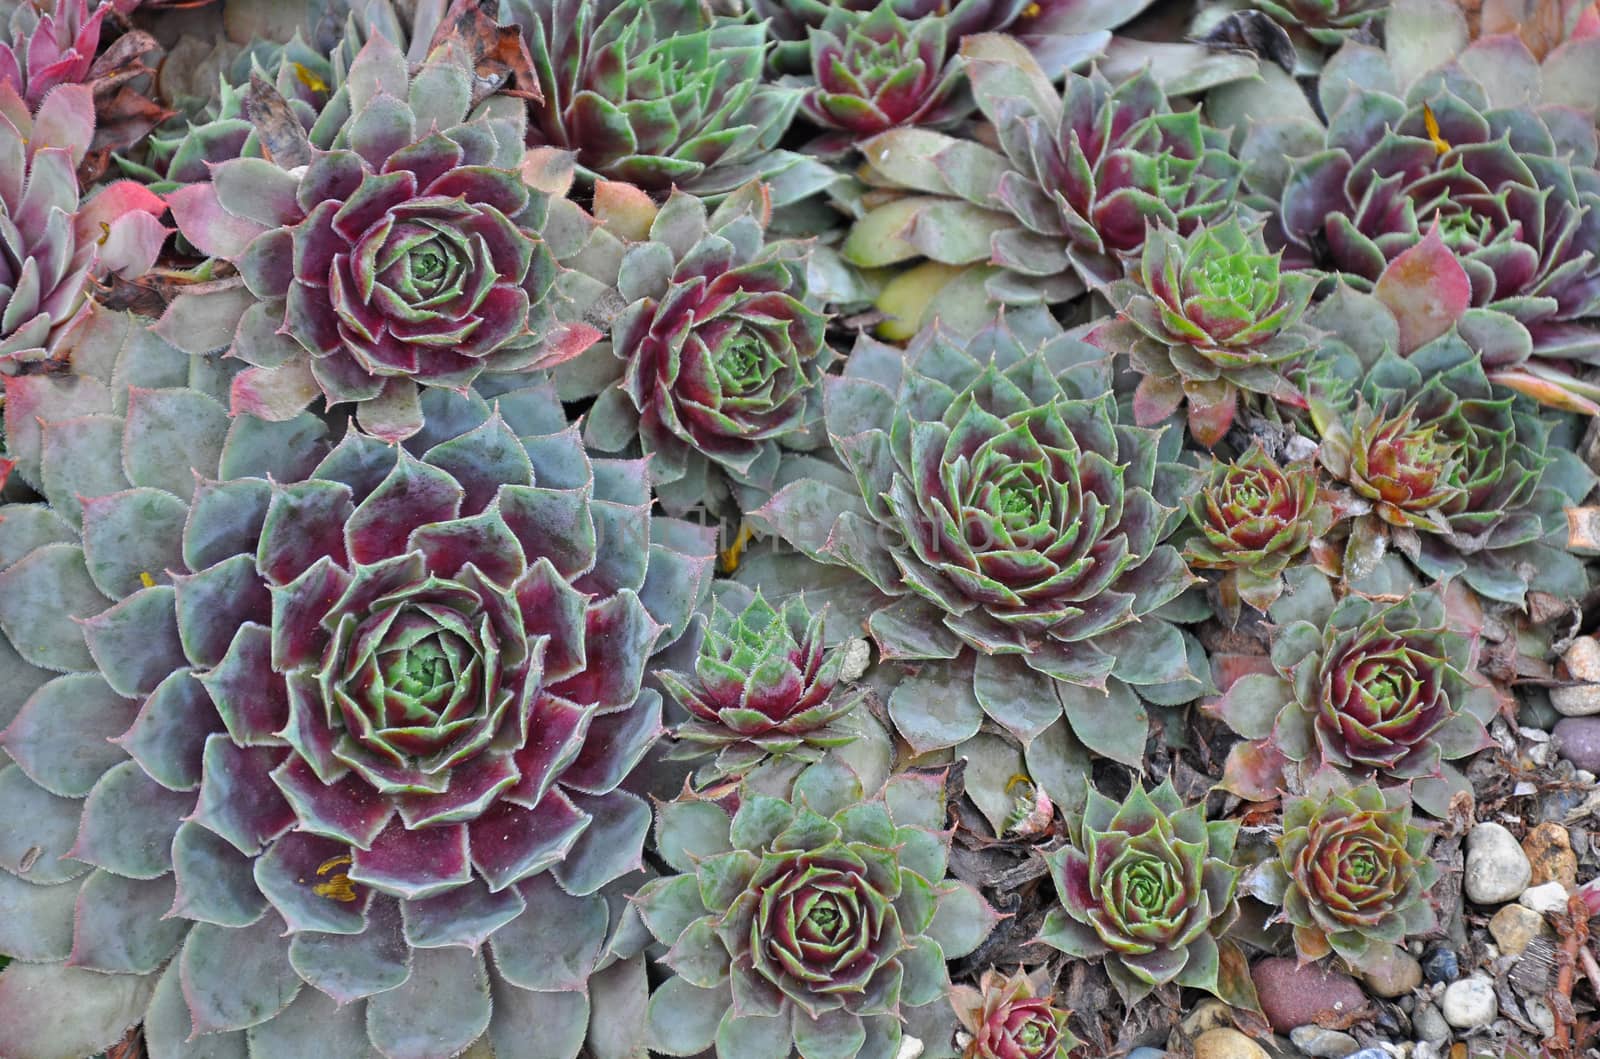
{"x":857,"y":657}
{"x":1546,"y":898}
{"x":1469,"y":1003}
{"x":1497,"y":869}
{"x":910,"y":1048}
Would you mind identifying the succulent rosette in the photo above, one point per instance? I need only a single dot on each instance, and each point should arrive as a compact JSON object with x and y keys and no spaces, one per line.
{"x":719,"y":355}
{"x":1513,"y":185}
{"x":1253,"y":518}
{"x":1328,"y":22}
{"x":1352,"y":873}
{"x":1012,"y":1017}
{"x":51,"y":241}
{"x":764,"y":686}
{"x":1205,"y":317}
{"x":1007,"y":523}
{"x":301,"y":734}
{"x":820,"y":924}
{"x":880,"y":71}
{"x":399,"y":258}
{"x":1368,"y":688}
{"x":662,"y":94}
{"x":792,"y":22}
{"x":1061,"y":33}
{"x":1460,"y":475}
{"x":1148,"y":886}
{"x":1067,"y":197}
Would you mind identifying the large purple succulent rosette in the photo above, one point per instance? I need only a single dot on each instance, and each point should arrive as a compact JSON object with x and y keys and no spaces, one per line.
{"x":1008,"y":524}
{"x":409,"y":254}
{"x":1514,"y":187}
{"x":322,"y":739}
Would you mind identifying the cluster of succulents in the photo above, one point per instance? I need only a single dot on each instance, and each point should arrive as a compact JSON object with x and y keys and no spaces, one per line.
{"x":753,"y":528}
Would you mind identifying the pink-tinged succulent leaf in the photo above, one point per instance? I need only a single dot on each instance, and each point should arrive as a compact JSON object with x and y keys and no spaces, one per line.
{"x":203,"y":221}
{"x":1254,"y":771}
{"x":1427,"y":290}
{"x":101,"y":1008}
{"x":236,"y":978}
{"x":275,"y":394}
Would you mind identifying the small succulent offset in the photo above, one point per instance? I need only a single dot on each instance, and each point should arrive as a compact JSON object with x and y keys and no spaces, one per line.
{"x":721,"y":349}
{"x":820,"y":925}
{"x":1252,"y":519}
{"x":1204,"y":317}
{"x":408,"y":254}
{"x":1009,"y":523}
{"x":1367,"y":688}
{"x":880,"y":71}
{"x":1148,"y":886}
{"x":764,"y":686}
{"x":662,"y":94}
{"x":1352,"y":873}
{"x":1012,"y":1017}
{"x":1066,"y":199}
{"x":314,"y":730}
{"x":51,"y":243}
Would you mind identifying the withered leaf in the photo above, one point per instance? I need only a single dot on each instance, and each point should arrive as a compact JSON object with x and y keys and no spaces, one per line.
{"x":1255,"y":33}
{"x":283,"y":138}
{"x":499,"y":56}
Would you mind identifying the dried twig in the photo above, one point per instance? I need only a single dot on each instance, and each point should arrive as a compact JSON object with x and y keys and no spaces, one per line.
{"x":1574,"y":929}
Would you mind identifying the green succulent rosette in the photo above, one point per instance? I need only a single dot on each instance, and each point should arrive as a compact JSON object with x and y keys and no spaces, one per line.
{"x":877,"y":71}
{"x":1370,"y":689}
{"x":1352,"y":875}
{"x":1148,"y":887}
{"x":1459,"y":475}
{"x":714,"y":366}
{"x":662,"y":94}
{"x":820,"y":925}
{"x":1251,"y":519}
{"x":1009,"y":527}
{"x":792,"y":23}
{"x":764,"y":685}
{"x":1473,"y":138}
{"x":1206,"y":317}
{"x":1064,"y":199}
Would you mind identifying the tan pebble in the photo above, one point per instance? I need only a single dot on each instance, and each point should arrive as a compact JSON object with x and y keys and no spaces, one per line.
{"x":1582,"y":659}
{"x":1514,"y":926}
{"x":1207,"y":1015}
{"x":1224,"y":1043}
